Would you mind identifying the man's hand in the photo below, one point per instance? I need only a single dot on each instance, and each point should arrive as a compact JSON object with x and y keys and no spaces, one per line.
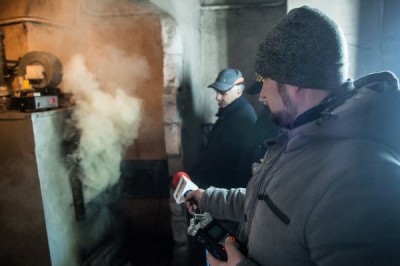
{"x":196,"y":196}
{"x":234,"y":255}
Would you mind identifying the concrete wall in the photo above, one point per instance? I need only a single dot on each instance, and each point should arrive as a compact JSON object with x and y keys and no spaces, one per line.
{"x":379,"y":35}
{"x":215,"y":35}
{"x":190,"y":97}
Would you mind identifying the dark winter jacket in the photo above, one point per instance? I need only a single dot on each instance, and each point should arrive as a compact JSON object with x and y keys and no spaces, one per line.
{"x":219,"y":161}
{"x":328,"y":190}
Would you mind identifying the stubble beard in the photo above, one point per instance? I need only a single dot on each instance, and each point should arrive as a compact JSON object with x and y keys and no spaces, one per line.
{"x":287,"y":116}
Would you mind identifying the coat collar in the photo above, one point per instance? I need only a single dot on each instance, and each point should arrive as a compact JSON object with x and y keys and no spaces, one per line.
{"x":232,"y":106}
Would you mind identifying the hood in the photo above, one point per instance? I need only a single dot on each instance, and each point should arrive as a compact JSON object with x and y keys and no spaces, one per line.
{"x":372,"y":113}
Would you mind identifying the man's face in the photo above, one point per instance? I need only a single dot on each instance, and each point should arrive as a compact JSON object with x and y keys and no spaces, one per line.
{"x":278,"y":97}
{"x":227,"y":97}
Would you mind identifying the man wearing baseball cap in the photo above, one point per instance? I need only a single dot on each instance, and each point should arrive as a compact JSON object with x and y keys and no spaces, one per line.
{"x":328,"y":190}
{"x":219,"y":161}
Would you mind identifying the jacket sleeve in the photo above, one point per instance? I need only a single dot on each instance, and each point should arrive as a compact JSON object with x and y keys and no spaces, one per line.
{"x":224,"y":204}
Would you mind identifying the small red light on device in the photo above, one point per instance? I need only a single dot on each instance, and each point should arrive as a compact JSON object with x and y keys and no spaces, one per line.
{"x":52,"y":100}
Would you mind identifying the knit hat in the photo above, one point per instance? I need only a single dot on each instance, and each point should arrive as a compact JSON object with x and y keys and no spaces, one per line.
{"x":226,"y":79}
{"x":306,"y":49}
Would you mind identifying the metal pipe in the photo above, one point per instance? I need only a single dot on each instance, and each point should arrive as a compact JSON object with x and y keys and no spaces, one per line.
{"x":77,"y":194}
{"x":3,"y":64}
{"x":18,"y":20}
{"x":248,"y":5}
{"x":86,"y":10}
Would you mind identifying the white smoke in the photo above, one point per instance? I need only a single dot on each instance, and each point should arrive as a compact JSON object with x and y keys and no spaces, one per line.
{"x":107,"y":120}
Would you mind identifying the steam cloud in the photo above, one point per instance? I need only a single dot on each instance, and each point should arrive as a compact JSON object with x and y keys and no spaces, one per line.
{"x":105,"y":119}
